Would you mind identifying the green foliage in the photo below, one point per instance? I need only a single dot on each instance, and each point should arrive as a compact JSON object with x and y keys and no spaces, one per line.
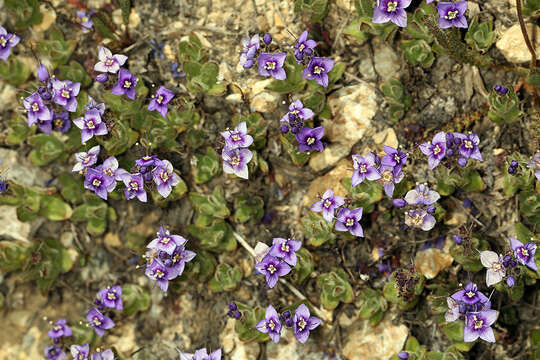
{"x":125,"y":5}
{"x":466,"y":178}
{"x":248,"y":208}
{"x":318,"y":230}
{"x":54,"y":209}
{"x":391,"y":292}
{"x":335,"y":287}
{"x":416,"y":25}
{"x":18,"y":130}
{"x":535,"y":345}
{"x":364,"y":9}
{"x":104,"y":25}
{"x":467,"y":256}
{"x":396,"y":95}
{"x":304,"y":267}
{"x":46,"y":148}
{"x":201,"y":268}
{"x":26,"y":12}
{"x":135,"y":298}
{"x":529,"y":205}
{"x":215,"y":234}
{"x":83,"y":334}
{"x":71,"y":188}
{"x":417,"y":52}
{"x":504,"y":108}
{"x":226,"y":278}
{"x":14,"y":71}
{"x":298,"y":158}
{"x":317,"y":9}
{"x":365,"y":194}
{"x":177,"y":193}
{"x":56,"y":47}
{"x":245,"y":327}
{"x":523,"y":234}
{"x":415,"y":350}
{"x":480,"y":36}
{"x":191,"y":50}
{"x":13,"y":255}
{"x":371,"y":305}
{"x":121,"y":139}
{"x":94,"y":212}
{"x":207,"y":166}
{"x":75,"y":72}
{"x":531,"y":8}
{"x":213,"y":204}
{"x":293,"y":83}
{"x":454,"y":332}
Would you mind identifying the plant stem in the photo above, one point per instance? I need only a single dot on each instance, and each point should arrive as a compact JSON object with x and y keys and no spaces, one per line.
{"x":525,"y":35}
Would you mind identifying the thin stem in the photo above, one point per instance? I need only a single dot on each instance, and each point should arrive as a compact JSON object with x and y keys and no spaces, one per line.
{"x":525,"y":35}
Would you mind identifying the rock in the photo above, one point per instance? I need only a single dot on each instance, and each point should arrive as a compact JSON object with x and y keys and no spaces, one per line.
{"x":367,"y":70}
{"x":512,"y":45}
{"x":17,"y":168}
{"x":331,"y":180}
{"x":386,"y":137}
{"x":353,"y":107}
{"x":291,"y":349}
{"x":112,"y":240}
{"x":49,"y":17}
{"x":378,"y":343}
{"x":124,"y":339}
{"x":261,"y":100}
{"x":387,"y":63}
{"x":331,"y":155}
{"x":234,"y":347}
{"x":431,"y":261}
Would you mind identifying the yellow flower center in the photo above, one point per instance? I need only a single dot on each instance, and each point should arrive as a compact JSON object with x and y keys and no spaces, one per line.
{"x":90,"y":124}
{"x":363,"y":168}
{"x":159,"y":99}
{"x":134,"y":186}
{"x":96,"y":182}
{"x":235,"y":161}
{"x":271,"y":325}
{"x":271,"y":269}
{"x":159,"y":274}
{"x":236,"y":137}
{"x":387,"y":177}
{"x":302,"y":324}
{"x":109,"y":62}
{"x":65,"y":94}
{"x":437,"y":149}
{"x":285,"y":247}
{"x":271,"y":65}
{"x":35,"y":107}
{"x":468,"y":144}
{"x":127,"y":84}
{"x":451,"y":15}
{"x":478,"y":324}
{"x":165,"y":240}
{"x":85,"y":19}
{"x":87,"y":159}
{"x":301,"y":47}
{"x":327,"y":203}
{"x":391,"y":6}
{"x":470,"y":294}
{"x":3,"y":40}
{"x":57,"y":327}
{"x":317,"y":70}
{"x":349,"y":222}
{"x":524,"y":252}
{"x":96,"y":321}
{"x":310,"y":140}
{"x":164,"y":176}
{"x":111,"y":296}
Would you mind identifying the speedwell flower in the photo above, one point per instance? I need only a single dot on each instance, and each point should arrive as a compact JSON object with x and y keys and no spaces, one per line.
{"x":303,"y":323}
{"x":272,"y":268}
{"x":524,"y":253}
{"x":98,"y":321}
{"x":86,"y":159}
{"x":391,"y":10}
{"x":235,"y":161}
{"x":126,"y":84}
{"x":318,"y":69}
{"x":285,"y":249}
{"x":495,"y":267}
{"x":272,"y":65}
{"x":270,"y":324}
{"x":349,"y":220}
{"x":109,"y":62}
{"x":452,"y":14}
{"x":364,"y":168}
{"x":328,"y":204}
{"x":111,"y":297}
{"x":91,"y":125}
{"x":478,"y":325}
{"x":238,"y":137}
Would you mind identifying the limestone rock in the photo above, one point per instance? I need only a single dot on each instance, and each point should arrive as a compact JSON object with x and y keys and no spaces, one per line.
{"x":387,"y":63}
{"x":331,"y":180}
{"x":431,"y":261}
{"x":512,"y":45}
{"x":234,"y":347}
{"x":330,"y":156}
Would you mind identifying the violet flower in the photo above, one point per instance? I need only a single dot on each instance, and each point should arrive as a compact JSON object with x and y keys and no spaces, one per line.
{"x":393,"y":157}
{"x":60,"y":329}
{"x":495,"y":267}
{"x":54,"y":352}
{"x":534,"y":165}
{"x":201,"y":354}
{"x":303,"y":47}
{"x":249,"y":49}
{"x":524,"y":253}
{"x":80,"y":352}
{"x":310,"y":139}
{"x":272,"y":65}
{"x":98,"y":183}
{"x":349,"y":220}
{"x":391,"y":10}
{"x":296,"y":116}
{"x":235,"y":161}
{"x":103,"y":355}
{"x":98,"y":321}
{"x":134,"y":186}
{"x":469,"y":146}
{"x":7,"y":41}
{"x":36,"y":109}
{"x":419,"y":219}
{"x":478,"y":325}
{"x":272,"y":268}
{"x":389,"y":177}
{"x":435,"y":150}
{"x":86,"y":159}
{"x":364,"y":168}
{"x":92,"y":104}
{"x":85,"y":19}
{"x":270,"y":324}
{"x":65,"y":94}
{"x":110,"y":168}
{"x":180,"y":257}
{"x":328,"y":203}
{"x":126,"y":84}
{"x":470,"y":296}
{"x":111,"y":63}
{"x":285,"y":249}
{"x":91,"y":125}
{"x":317,"y":69}
{"x":111,"y":297}
{"x":161,"y":274}
{"x":303,"y":323}
{"x":45,"y":126}
{"x":166,"y":242}
{"x":42,"y":73}
{"x":160,"y":100}
{"x":452,"y":14}
{"x":165,"y":178}
{"x":421,"y":195}
{"x":237,"y":138}
{"x":61,"y":122}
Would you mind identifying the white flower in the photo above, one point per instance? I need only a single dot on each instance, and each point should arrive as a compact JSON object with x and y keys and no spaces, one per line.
{"x":495,"y":268}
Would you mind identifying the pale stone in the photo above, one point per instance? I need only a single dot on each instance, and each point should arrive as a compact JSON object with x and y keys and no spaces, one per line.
{"x":457,"y":217}
{"x":330,"y":156}
{"x":264,"y":102}
{"x":512,"y":45}
{"x":387,"y":63}
{"x":331,"y":180}
{"x":386,"y":137}
{"x":49,"y":17}
{"x":234,"y":98}
{"x":431,"y":261}
{"x":378,"y":343}
{"x":112,"y":240}
{"x":234,"y":347}
{"x":134,"y":19}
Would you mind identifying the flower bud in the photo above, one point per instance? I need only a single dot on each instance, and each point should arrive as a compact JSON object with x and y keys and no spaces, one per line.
{"x":403,"y":355}
{"x":102,"y":78}
{"x":284,"y":128}
{"x":267,"y":38}
{"x":510,"y":281}
{"x":399,"y":203}
{"x":462,"y":161}
{"x":42,"y":73}
{"x":457,"y":239}
{"x":431,"y":209}
{"x":232,"y":306}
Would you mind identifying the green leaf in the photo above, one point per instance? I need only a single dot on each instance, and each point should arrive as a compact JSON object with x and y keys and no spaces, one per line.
{"x":335,"y":287}
{"x":454,"y":333}
{"x":294,"y":81}
{"x":214,"y":234}
{"x":226,"y":278}
{"x":469,"y":260}
{"x":504,"y":108}
{"x":245,"y":327}
{"x":480,"y":36}
{"x":103,"y":25}
{"x":213,"y":205}
{"x":56,"y":47}
{"x":522,"y":233}
{"x":121,"y":139}
{"x":304,"y":267}
{"x":318,"y":9}
{"x":46,"y":149}
{"x":13,"y":255}
{"x":207,"y":166}
{"x":201,"y":267}
{"x":125,"y":5}
{"x":53,"y":208}
{"x":318,"y":230}
{"x":75,"y":72}
{"x":96,"y":227}
{"x":248,"y":208}
{"x":14,"y":71}
{"x":298,"y":158}
{"x":135,"y":299}
{"x":26,"y":12}
{"x":353,"y":29}
{"x":18,"y":130}
{"x":417,"y":52}
{"x":370,"y":303}
{"x":72,"y":188}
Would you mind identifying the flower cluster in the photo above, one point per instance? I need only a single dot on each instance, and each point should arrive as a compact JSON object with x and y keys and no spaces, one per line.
{"x":302,"y":323}
{"x":271,"y":64}
{"x":448,"y":145}
{"x":201,"y":354}
{"x":346,"y":219}
{"x":277,"y":260}
{"x":166,"y":258}
{"x":92,"y":122}
{"x":7,"y":41}
{"x":235,"y":154}
{"x":308,"y":139}
{"x":475,"y":308}
{"x":421,"y":199}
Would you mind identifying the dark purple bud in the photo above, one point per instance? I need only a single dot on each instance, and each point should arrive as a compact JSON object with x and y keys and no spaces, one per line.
{"x":237,"y":315}
{"x":382,"y":268}
{"x":102,"y":78}
{"x":232,"y":306}
{"x":399,"y":203}
{"x":147,"y":176}
{"x":430,"y":209}
{"x":462,"y":162}
{"x":289,"y":322}
{"x":44,"y":94}
{"x":513,"y":163}
{"x":295,"y":130}
{"x":510,"y":281}
{"x":449,"y":152}
{"x":286,"y":314}
{"x":457,"y":141}
{"x":267,"y":38}
{"x":457,"y":239}
{"x":42,"y":73}
{"x":467,"y":204}
{"x":502,"y":90}
{"x":230,"y":314}
{"x":402,"y":226}
{"x":403,"y":355}
{"x":497,"y":88}
{"x":511,"y":170}
{"x":284,"y":128}
{"x":3,"y":186}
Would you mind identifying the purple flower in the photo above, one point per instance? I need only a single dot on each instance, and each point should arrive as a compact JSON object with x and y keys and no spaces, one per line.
{"x":272,"y":268}
{"x":391,"y":10}
{"x":85,"y":19}
{"x":165,"y":178}
{"x":237,"y":138}
{"x":110,"y":63}
{"x":54,"y":352}
{"x":99,"y":322}
{"x":303,"y":323}
{"x":510,"y":281}
{"x":420,"y":219}
{"x":249,"y":49}
{"x":389,"y":177}
{"x":349,"y":220}
{"x":495,"y":267}
{"x":399,"y":203}
{"x":161,"y":274}
{"x":478,"y":325}
{"x":393,"y":157}
{"x":285,"y":249}
{"x":272,"y":65}
{"x":328,"y":203}
{"x":36,"y":109}
{"x":80,"y":352}
{"x":470,"y":295}
{"x":102,"y":78}
{"x":42,"y":73}
{"x":235,"y":161}
{"x":166,"y":242}
{"x":403,"y":355}
{"x":452,"y":14}
{"x":98,"y":183}
{"x":134,"y":186}
{"x":65,"y":94}
{"x":92,"y":104}
{"x":421,"y":196}
{"x":86,"y":159}
{"x":435,"y":150}
{"x":457,"y":239}
{"x":160,"y":100}
{"x":364,"y":168}
{"x":201,"y":354}
{"x":111,"y":297}
{"x":270,"y":324}
{"x":61,"y":122}
{"x":317,"y":69}
{"x":91,"y":125}
{"x":147,"y":161}
{"x":110,"y":168}
{"x":267,"y":38}
{"x":7,"y":41}
{"x":453,"y":312}
{"x":534,"y":165}
{"x":59,"y":329}
{"x":310,"y":139}
{"x":126,"y":84}
{"x":524,"y":253}
{"x":303,"y":47}
{"x":296,"y":116}
{"x":103,"y":355}
{"x":180,"y":257}
{"x":469,"y":146}
{"x":45,"y":126}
